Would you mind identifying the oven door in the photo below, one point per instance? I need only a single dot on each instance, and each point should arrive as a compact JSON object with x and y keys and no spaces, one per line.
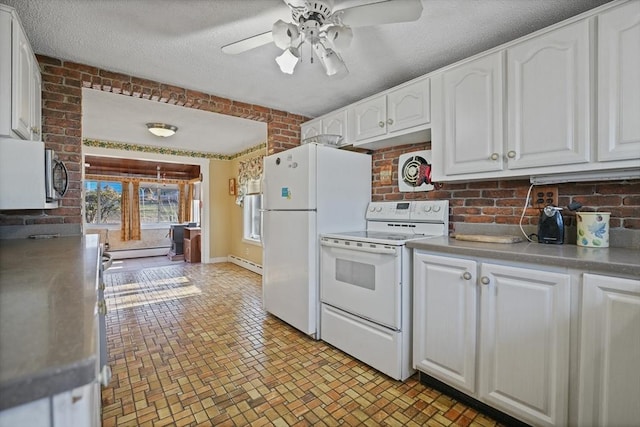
{"x":363,"y":279}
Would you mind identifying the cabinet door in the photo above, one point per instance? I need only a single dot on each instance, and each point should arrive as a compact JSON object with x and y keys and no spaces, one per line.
{"x":310,"y":129}
{"x":409,"y":106}
{"x":548,"y":98}
{"x":336,"y":124}
{"x":444,"y":319}
{"x":21,"y":96}
{"x":473,"y":116}
{"x":36,"y":103}
{"x":619,"y":83}
{"x":369,"y":118}
{"x":610,"y":352}
{"x":5,"y":73}
{"x":524,"y":343}
{"x":77,"y":407}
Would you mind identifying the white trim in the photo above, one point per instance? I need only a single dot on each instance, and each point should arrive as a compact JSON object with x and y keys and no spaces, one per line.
{"x":251,"y":266}
{"x":218,"y":260}
{"x":252,"y":242}
{"x":139,"y":253}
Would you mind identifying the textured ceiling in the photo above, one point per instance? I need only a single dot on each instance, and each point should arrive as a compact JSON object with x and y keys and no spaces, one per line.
{"x":179,"y":42}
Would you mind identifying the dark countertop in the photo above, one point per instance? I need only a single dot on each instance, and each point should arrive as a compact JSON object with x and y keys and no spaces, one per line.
{"x":48,"y":331}
{"x":612,"y":261}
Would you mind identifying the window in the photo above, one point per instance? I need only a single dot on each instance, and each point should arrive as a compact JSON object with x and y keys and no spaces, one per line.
{"x":158,"y":203}
{"x":251,"y":214}
{"x":102,"y":202}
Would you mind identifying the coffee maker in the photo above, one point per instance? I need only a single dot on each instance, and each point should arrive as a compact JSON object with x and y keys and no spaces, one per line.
{"x":551,"y":225}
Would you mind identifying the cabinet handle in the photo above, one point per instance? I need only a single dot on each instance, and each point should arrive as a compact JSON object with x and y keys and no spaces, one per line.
{"x":485,"y":280}
{"x":495,"y":156}
{"x":389,"y":121}
{"x":102,"y":308}
{"x":35,"y":130}
{"x":466,"y":275}
{"x":381,"y":124}
{"x":102,"y":286}
{"x":104,"y":377}
{"x":511,"y":154}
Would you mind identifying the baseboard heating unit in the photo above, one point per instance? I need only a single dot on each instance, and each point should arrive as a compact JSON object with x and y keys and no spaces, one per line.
{"x":249,"y":265}
{"x":139,"y":253}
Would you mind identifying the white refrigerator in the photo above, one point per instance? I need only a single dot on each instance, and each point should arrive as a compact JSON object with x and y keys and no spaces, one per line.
{"x":307,"y":190}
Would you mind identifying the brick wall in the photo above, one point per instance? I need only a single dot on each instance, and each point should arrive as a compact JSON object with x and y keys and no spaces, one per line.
{"x":478,"y":202}
{"x":501,"y":202}
{"x":62,"y":83}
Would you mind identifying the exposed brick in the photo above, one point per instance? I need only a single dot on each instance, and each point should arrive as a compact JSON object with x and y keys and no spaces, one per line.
{"x":474,"y":202}
{"x":633,"y":223}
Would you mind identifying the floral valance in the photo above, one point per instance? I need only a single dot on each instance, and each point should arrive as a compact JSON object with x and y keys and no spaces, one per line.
{"x":250,"y":170}
{"x":249,"y":174}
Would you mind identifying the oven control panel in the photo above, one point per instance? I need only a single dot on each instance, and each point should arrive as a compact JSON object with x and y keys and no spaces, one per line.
{"x":414,"y":211}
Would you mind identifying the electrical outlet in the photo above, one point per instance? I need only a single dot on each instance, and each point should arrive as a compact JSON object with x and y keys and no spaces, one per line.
{"x":543,"y":196}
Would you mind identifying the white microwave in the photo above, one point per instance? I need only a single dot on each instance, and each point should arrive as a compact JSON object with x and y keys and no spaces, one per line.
{"x":30,"y":176}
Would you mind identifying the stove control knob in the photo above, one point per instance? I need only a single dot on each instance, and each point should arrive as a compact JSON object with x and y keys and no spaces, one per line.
{"x":379,"y":209}
{"x":372,"y":208}
{"x":436,"y":208}
{"x":427,"y":208}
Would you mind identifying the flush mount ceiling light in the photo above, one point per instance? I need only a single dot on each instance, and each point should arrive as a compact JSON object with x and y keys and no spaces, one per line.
{"x":325,"y":30}
{"x":161,"y":129}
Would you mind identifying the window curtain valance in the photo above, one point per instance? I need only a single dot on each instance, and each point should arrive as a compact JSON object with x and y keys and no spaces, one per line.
{"x":249,"y":177}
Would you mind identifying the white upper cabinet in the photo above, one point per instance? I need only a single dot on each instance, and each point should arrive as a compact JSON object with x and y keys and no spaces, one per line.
{"x":310,"y":129}
{"x":619,"y":83}
{"x":370,"y":118}
{"x":20,"y":113}
{"x":548,"y":91}
{"x":395,"y":117}
{"x":334,"y":123}
{"x":554,"y":84}
{"x":468,"y":119}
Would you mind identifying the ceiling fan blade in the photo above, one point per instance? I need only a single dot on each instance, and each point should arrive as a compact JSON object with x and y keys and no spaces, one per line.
{"x":248,"y":43}
{"x":385,"y":12}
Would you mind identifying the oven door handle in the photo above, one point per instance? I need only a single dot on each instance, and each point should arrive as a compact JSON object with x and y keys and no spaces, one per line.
{"x":374,"y":250}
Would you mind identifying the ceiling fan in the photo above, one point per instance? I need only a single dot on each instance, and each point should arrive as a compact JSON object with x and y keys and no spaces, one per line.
{"x":328,"y":32}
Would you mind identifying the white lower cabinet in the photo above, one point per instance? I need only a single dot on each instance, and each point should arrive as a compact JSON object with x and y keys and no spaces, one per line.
{"x":524,"y":342}
{"x":445,"y":299}
{"x":512,"y":323}
{"x":609,"y":390}
{"x":79,"y":407}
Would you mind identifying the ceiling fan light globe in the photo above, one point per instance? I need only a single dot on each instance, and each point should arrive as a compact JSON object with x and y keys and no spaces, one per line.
{"x":330,"y":60}
{"x":288,"y":60}
{"x":339,"y":37}
{"x":284,"y":33}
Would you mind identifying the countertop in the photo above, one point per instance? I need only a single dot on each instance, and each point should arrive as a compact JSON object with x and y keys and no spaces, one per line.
{"x":613,"y":261}
{"x":48,"y":331}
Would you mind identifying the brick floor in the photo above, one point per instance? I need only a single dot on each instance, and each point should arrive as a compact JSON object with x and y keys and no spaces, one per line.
{"x":189,"y":345}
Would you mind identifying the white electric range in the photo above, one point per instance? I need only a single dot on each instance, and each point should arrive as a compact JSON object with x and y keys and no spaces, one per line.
{"x":365,"y":283}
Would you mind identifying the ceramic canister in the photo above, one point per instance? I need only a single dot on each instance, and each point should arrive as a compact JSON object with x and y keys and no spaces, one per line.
{"x":593,"y":229}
